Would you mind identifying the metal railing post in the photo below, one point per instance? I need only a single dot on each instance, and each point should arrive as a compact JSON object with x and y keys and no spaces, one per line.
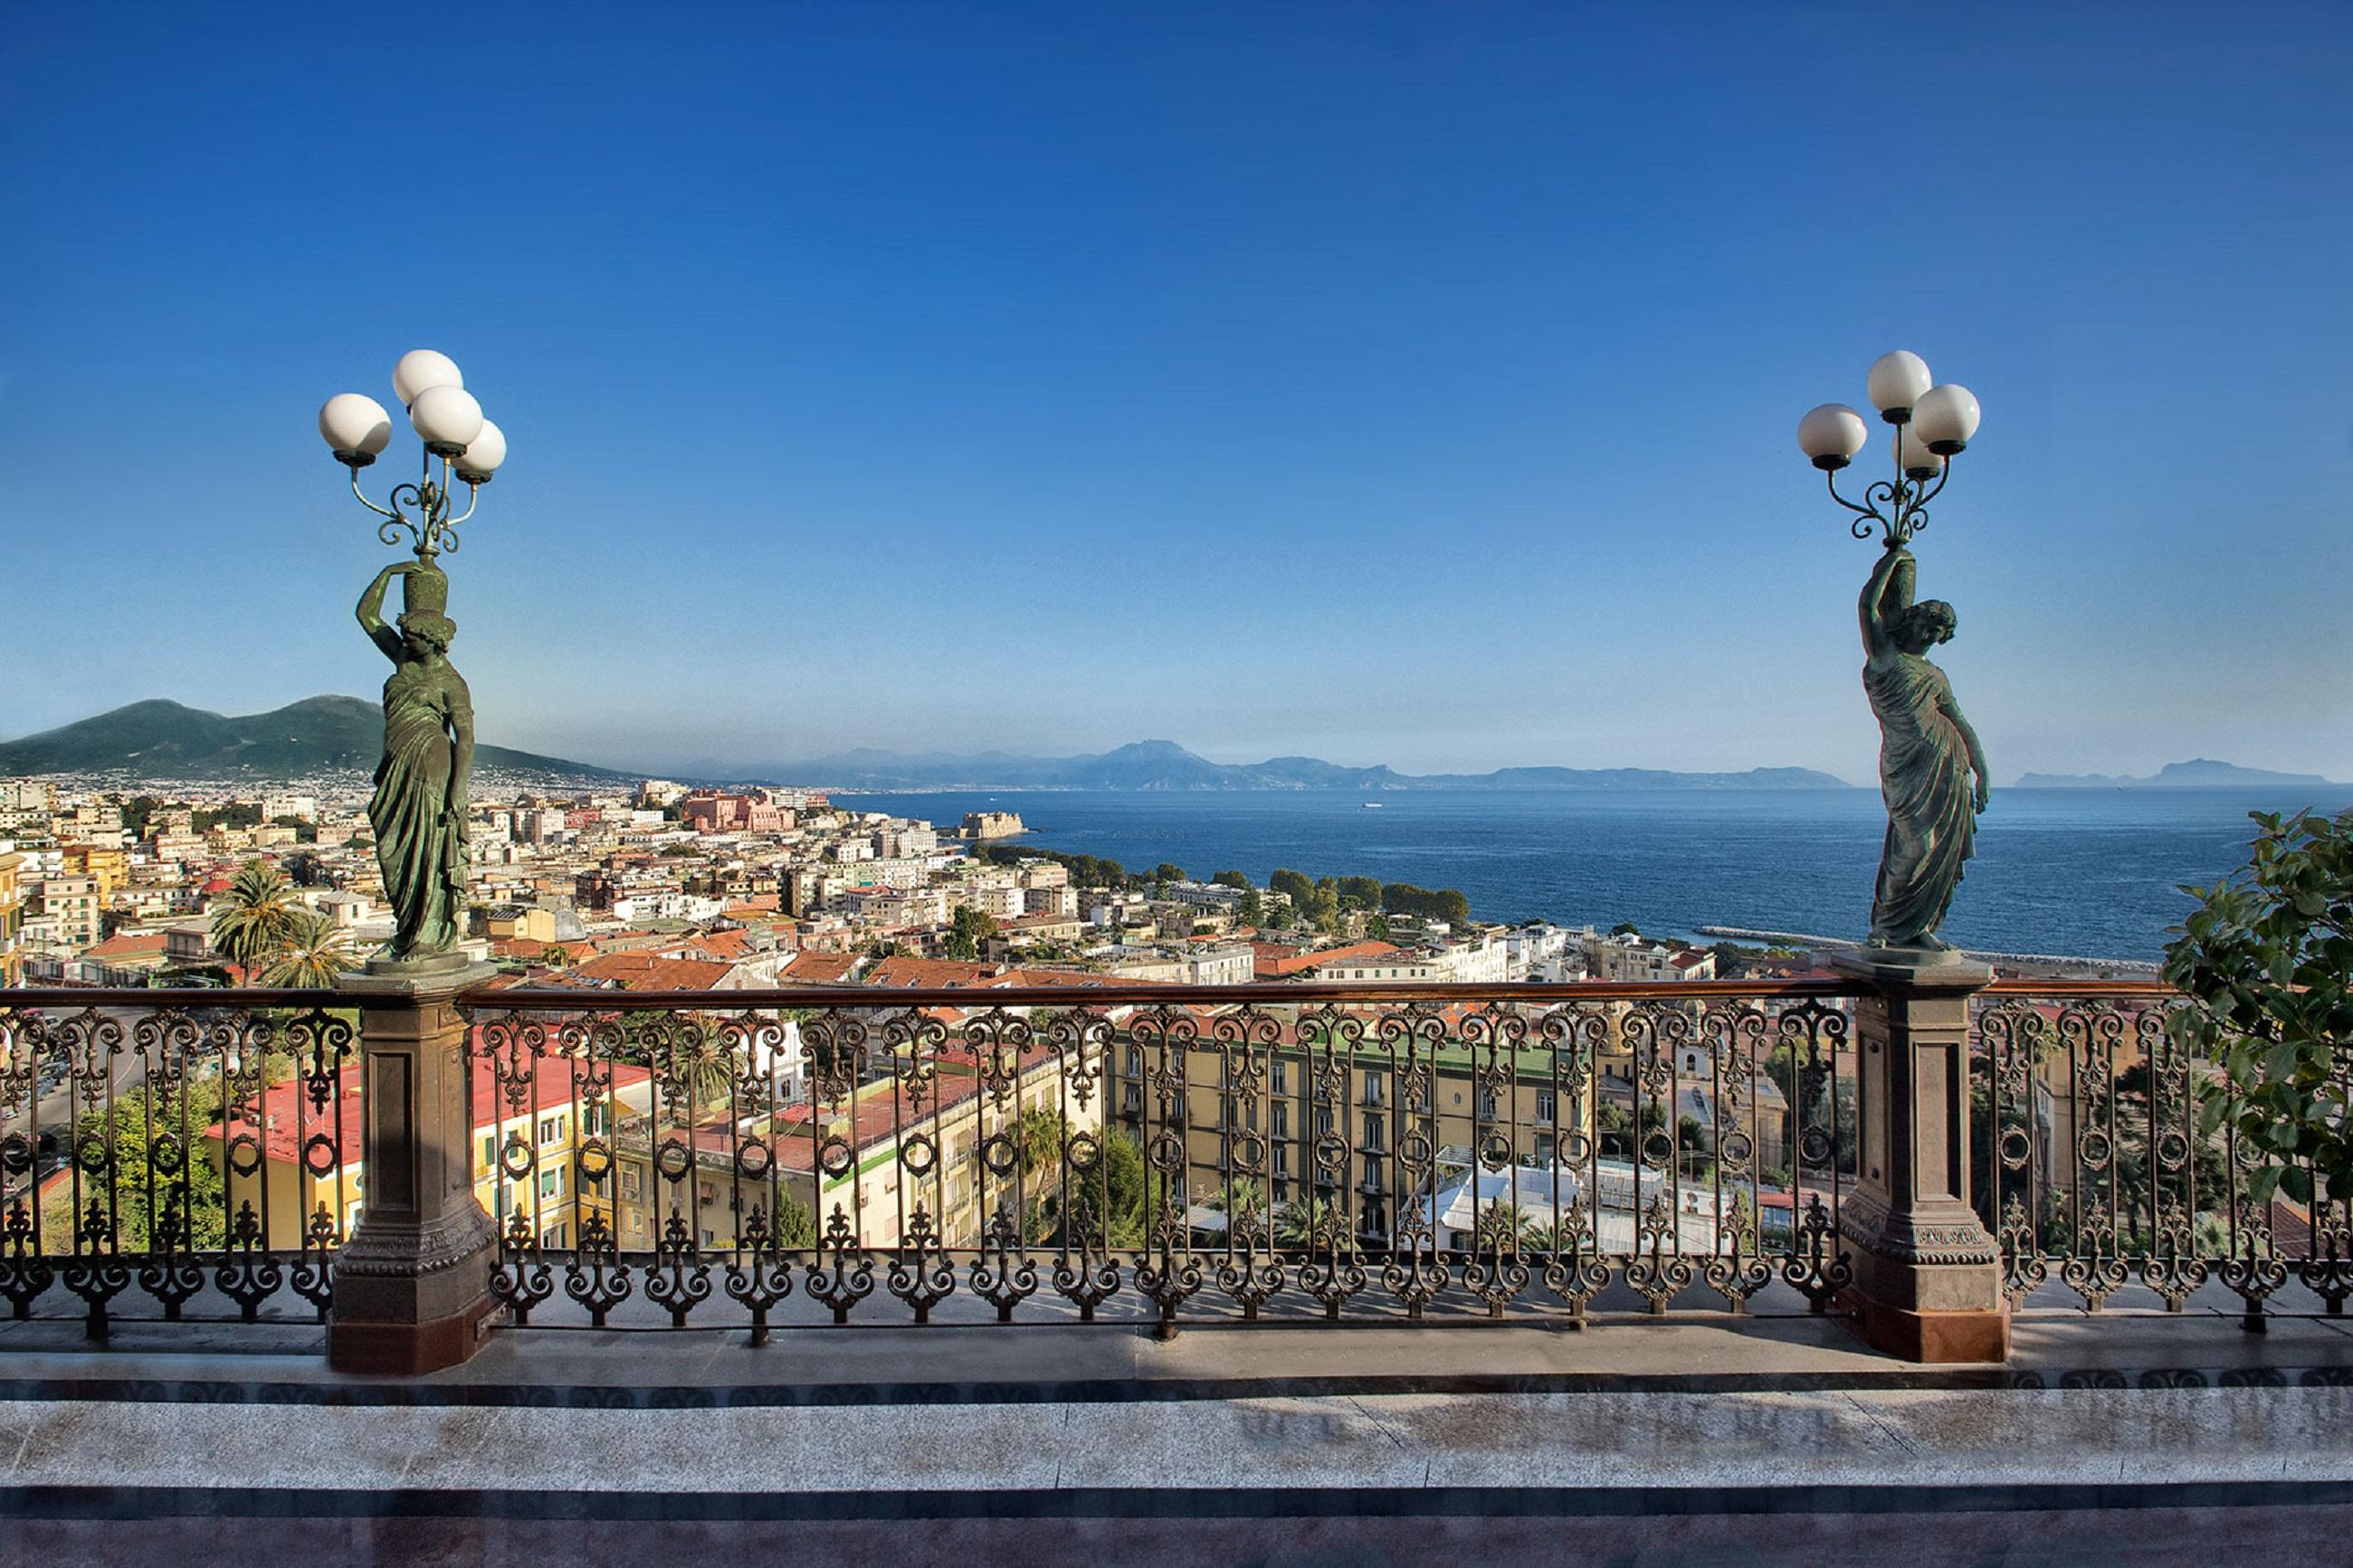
{"x":1927,"y":1273}
{"x":411,"y":1287}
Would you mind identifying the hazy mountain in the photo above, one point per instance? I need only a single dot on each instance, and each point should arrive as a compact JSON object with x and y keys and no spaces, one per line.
{"x":1166,"y":766}
{"x":169,"y":739}
{"x":2200,"y":773}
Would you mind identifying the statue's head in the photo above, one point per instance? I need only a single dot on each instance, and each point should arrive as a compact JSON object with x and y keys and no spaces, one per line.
{"x":1923,"y":626}
{"x":426,"y":633}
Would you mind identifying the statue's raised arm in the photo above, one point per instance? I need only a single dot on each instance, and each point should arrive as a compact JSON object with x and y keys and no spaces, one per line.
{"x":371,"y":611}
{"x":1884,"y":599}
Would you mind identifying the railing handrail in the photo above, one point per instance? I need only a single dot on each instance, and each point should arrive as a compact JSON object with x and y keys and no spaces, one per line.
{"x":1111,"y":993}
{"x":1137,"y":994}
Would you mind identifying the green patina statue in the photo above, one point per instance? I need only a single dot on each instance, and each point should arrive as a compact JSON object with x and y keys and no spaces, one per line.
{"x":1927,"y":752}
{"x":419,"y":809}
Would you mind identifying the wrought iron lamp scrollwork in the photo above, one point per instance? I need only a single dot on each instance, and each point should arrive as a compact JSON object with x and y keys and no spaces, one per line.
{"x":1933,"y":426}
{"x":451,"y":423}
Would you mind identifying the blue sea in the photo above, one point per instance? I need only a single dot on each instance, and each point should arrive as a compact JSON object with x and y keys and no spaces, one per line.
{"x":2089,"y":873}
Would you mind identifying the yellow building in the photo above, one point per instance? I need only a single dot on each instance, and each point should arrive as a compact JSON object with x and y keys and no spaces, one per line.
{"x":883,"y":1156}
{"x":1378,"y":1125}
{"x":12,"y":920}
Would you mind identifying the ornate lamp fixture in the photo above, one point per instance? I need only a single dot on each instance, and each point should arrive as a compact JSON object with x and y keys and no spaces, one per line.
{"x":1933,"y":426}
{"x":449,"y":420}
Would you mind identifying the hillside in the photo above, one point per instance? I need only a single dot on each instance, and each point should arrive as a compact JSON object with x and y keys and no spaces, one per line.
{"x":2199,"y":772}
{"x":161,"y":739}
{"x":1166,"y":766}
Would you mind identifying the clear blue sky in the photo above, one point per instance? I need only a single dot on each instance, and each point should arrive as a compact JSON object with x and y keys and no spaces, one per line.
{"x":1405,"y":383}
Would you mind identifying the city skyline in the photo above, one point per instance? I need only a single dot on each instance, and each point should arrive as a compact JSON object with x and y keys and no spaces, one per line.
{"x":1416,"y":392}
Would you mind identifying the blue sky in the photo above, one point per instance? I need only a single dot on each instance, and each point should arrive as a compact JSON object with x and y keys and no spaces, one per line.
{"x":1405,"y":383}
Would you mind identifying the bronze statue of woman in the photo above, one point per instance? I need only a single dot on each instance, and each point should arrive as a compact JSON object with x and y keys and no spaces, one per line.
{"x":419,"y":809}
{"x":1926,"y":754}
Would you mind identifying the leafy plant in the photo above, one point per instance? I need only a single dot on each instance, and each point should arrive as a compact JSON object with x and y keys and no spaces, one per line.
{"x":2266,"y":962}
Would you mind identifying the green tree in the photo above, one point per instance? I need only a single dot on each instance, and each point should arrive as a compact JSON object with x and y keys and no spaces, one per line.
{"x":1253,"y":909}
{"x":1378,"y":927}
{"x":258,"y":918}
{"x":1117,"y":1195}
{"x":967,"y":929}
{"x":313,"y":954}
{"x":1167,"y":871}
{"x":140,"y":1199}
{"x":1310,"y":1222}
{"x":2266,"y":962}
{"x":1361,"y":892}
{"x":1294,"y":884}
{"x":1233,"y":880}
{"x":1504,"y":1227}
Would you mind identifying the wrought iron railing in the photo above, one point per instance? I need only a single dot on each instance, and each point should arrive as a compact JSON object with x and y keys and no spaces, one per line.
{"x":175,"y":1154}
{"x":1151,"y":1152}
{"x":2104,"y":1177}
{"x":1128,"y":1152}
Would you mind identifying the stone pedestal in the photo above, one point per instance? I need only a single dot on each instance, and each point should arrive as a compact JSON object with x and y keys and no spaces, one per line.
{"x":412,"y":1281}
{"x":1927,"y":1274}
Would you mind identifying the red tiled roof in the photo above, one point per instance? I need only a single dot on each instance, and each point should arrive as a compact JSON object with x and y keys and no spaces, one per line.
{"x":819,"y":968}
{"x":127,"y":946}
{"x":290,"y":1120}
{"x":646,"y":971}
{"x":901,"y":973}
{"x":1300,"y":962}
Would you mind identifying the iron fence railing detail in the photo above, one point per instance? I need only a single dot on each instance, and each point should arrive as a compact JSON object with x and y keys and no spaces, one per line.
{"x":1471,"y":1150}
{"x":2102,"y":1170}
{"x":1144,"y":1153}
{"x":181,"y":1162}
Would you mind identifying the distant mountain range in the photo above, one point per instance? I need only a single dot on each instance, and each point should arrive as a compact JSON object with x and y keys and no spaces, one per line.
{"x":1166,"y":766}
{"x":168,"y":740}
{"x":2200,"y":773}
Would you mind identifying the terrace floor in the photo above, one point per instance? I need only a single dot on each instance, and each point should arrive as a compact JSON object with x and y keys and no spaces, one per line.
{"x":1691,"y":1439}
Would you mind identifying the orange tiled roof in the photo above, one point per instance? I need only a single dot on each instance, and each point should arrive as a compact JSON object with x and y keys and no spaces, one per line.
{"x":819,"y":968}
{"x":902,"y":973}
{"x":646,"y":971}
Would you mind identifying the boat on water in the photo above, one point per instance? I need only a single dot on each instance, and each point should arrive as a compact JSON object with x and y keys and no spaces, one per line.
{"x":1373,"y":806}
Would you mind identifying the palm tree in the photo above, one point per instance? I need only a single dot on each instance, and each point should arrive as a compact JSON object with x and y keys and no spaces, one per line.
{"x":312,"y":954}
{"x":258,"y":917}
{"x":1310,"y":1222}
{"x":1504,"y":1227}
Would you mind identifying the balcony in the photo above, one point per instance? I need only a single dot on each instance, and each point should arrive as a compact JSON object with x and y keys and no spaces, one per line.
{"x":249,"y":1208}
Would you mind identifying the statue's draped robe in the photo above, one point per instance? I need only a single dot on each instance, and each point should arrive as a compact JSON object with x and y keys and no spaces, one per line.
{"x":416,"y":845}
{"x":1924,"y":774}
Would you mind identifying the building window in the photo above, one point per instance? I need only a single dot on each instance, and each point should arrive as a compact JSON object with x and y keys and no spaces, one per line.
{"x":1545,"y":1106}
{"x":1372,"y":1132}
{"x":490,"y":1152}
{"x":551,"y":1183}
{"x":551,"y":1128}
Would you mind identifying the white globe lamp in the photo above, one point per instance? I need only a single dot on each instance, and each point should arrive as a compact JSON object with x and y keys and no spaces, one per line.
{"x":1946,"y":418}
{"x":355,"y":428}
{"x":1895,"y":384}
{"x":447,"y":417}
{"x":1831,"y":435}
{"x":421,"y":370}
{"x":482,"y":455}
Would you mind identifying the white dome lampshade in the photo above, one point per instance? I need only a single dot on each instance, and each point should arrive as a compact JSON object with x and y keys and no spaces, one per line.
{"x":421,"y":369}
{"x":1914,"y":458}
{"x":1831,"y":435}
{"x":1895,"y":384}
{"x":448,"y":417}
{"x":1946,"y":418}
{"x":356,"y":428}
{"x":482,"y":455}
